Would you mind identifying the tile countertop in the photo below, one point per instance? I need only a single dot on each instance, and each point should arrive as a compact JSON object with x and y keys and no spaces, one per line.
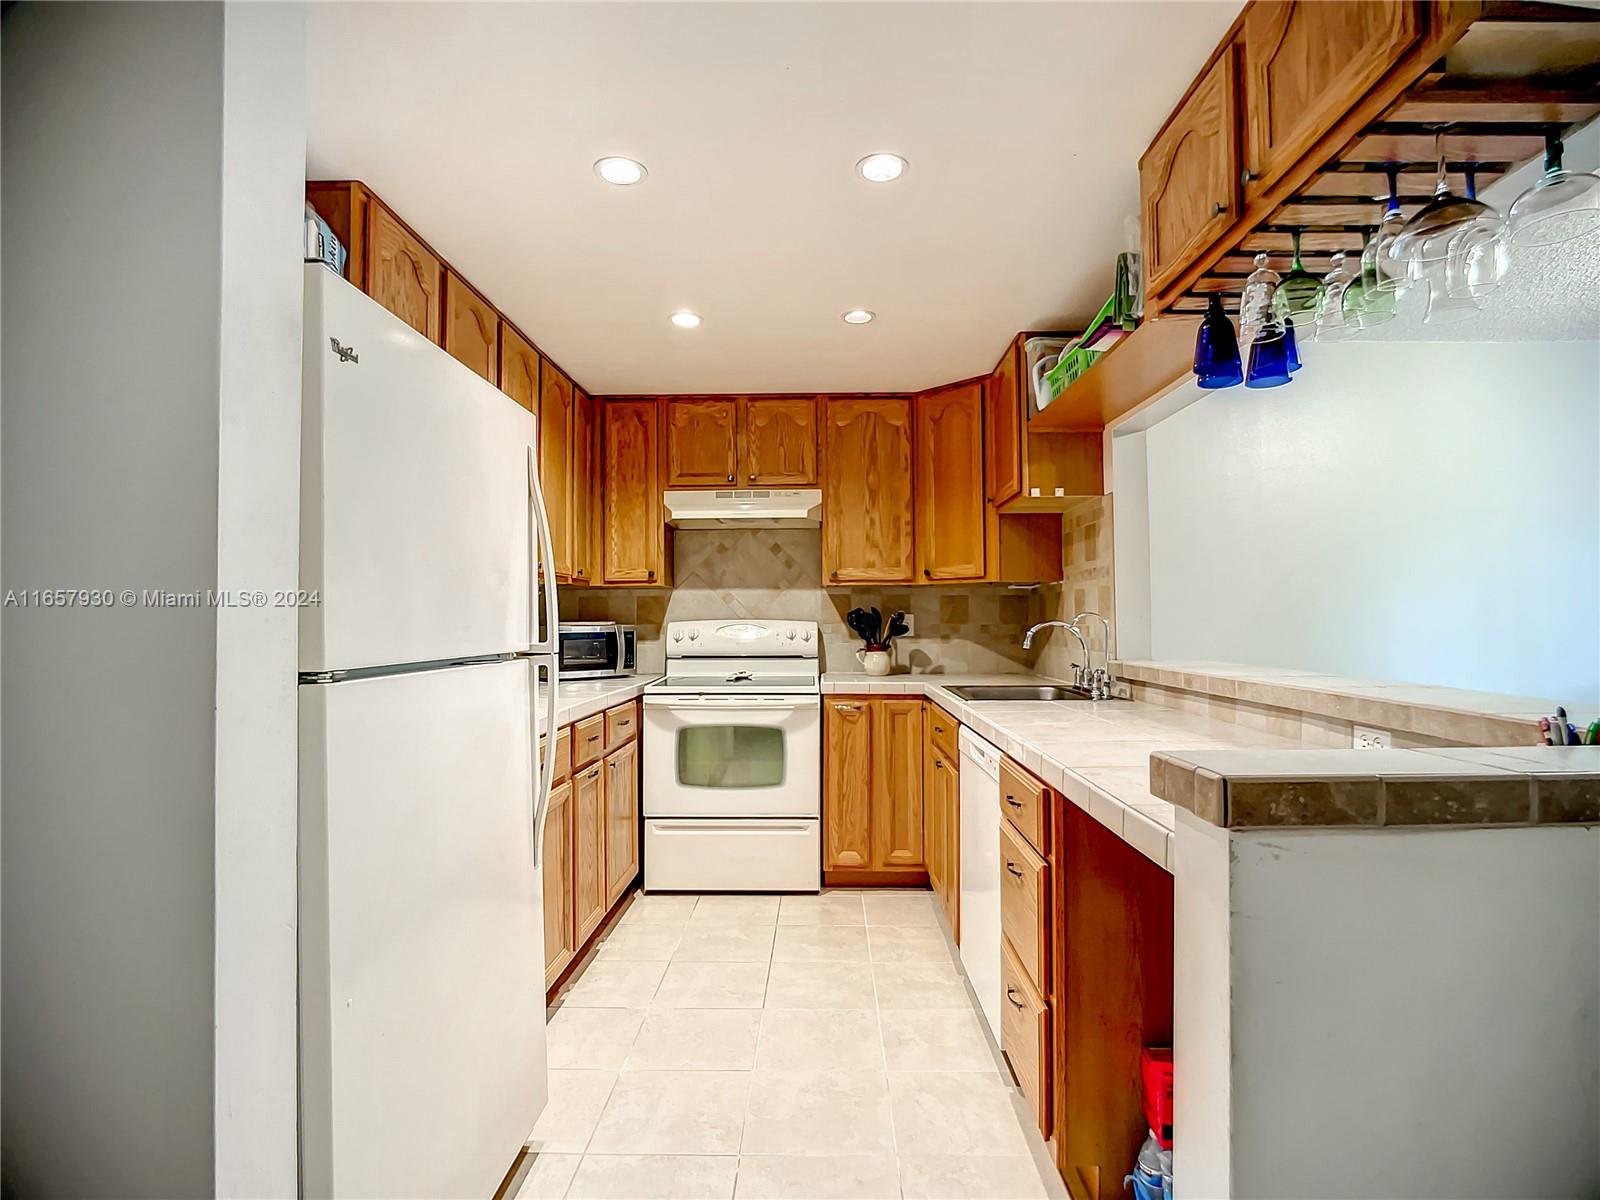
{"x":580,"y":698}
{"x":1097,"y":755}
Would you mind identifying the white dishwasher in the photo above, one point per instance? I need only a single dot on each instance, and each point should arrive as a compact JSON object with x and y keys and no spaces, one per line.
{"x":980,"y":872}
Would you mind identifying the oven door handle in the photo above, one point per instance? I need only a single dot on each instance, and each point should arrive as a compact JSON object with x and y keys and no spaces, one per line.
{"x":734,"y":703}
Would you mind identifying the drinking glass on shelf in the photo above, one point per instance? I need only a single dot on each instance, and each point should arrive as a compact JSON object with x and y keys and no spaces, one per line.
{"x":1299,"y":291}
{"x":1330,"y":306}
{"x":1216,"y":349}
{"x":1258,"y":319}
{"x":1269,"y":362}
{"x":1425,"y":240}
{"x":1369,"y":301}
{"x":1561,"y":207}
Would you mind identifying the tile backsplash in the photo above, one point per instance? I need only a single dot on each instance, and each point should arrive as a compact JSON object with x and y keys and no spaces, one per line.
{"x":1087,"y":586}
{"x":776,"y":574}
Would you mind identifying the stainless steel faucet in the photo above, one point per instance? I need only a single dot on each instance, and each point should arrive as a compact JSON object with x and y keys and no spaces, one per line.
{"x":1100,"y":681}
{"x":1079,"y":674}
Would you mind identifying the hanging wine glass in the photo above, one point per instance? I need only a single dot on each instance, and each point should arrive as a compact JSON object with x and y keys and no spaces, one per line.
{"x":1478,"y":254}
{"x":1258,"y":319}
{"x":1216,"y":349}
{"x":1369,"y":301}
{"x":1448,"y":305}
{"x":1391,"y":271}
{"x":1299,"y":291}
{"x":1418,"y":243}
{"x":1562,"y":206}
{"x":1330,"y":307}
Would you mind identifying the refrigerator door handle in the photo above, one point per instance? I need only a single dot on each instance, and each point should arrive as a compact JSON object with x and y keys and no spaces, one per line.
{"x":541,"y":560}
{"x":546,"y":777}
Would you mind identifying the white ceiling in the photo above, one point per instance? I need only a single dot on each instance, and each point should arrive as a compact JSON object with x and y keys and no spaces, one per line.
{"x":1023,"y":124}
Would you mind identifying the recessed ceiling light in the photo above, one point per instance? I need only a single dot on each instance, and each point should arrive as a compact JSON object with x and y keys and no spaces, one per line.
{"x":620,"y":171}
{"x":684,"y":319}
{"x":881,"y":168}
{"x":858,"y":316}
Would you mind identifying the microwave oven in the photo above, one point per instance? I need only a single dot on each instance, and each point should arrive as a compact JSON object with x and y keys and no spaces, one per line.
{"x":596,"y":649}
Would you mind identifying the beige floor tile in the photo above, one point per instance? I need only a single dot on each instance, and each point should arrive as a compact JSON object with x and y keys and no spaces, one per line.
{"x":576,"y":1101}
{"x":592,"y":1038}
{"x":920,"y":986}
{"x":712,"y":985}
{"x":954,"y":1112}
{"x":673,"y":1112}
{"x":826,"y":908}
{"x":935,"y":1040}
{"x":547,"y":1176}
{"x":820,"y":943}
{"x":898,"y":943}
{"x":829,"y":1039}
{"x":615,"y":983}
{"x":901,"y":908}
{"x":696,"y":1039}
{"x":725,"y":943}
{"x":819,"y":985}
{"x":735,"y":910}
{"x":664,"y":908}
{"x":819,"y":1112}
{"x":802,"y":1177}
{"x":971,"y":1177}
{"x":654,"y":1177}
{"x":640,"y":943}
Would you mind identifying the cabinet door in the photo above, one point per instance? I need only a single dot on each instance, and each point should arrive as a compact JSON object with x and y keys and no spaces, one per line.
{"x":519,"y":368}
{"x":635,"y":534}
{"x":1305,"y":66}
{"x":933,"y":820}
{"x":950,"y":513}
{"x":897,"y":783}
{"x":1189,"y":178}
{"x":581,"y":487}
{"x":847,"y":783}
{"x":555,"y":461}
{"x":780,"y":441}
{"x":1003,"y":429}
{"x":589,"y":851}
{"x":402,"y":274}
{"x":866,"y":490}
{"x":702,"y":441}
{"x":622,"y":820}
{"x":558,"y":906}
{"x":471,"y":327}
{"x":952,"y":844}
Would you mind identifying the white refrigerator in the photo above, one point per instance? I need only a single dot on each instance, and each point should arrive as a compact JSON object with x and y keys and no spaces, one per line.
{"x":427,"y":669}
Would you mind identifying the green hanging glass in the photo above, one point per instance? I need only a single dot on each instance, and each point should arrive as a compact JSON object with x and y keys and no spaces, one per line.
{"x":1299,"y":292}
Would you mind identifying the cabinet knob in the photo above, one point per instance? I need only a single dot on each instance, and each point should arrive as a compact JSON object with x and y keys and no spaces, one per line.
{"x":927,"y":574}
{"x":752,"y":476}
{"x":1248,"y":176}
{"x":1218,"y":209}
{"x":649,"y":574}
{"x":730,"y":478}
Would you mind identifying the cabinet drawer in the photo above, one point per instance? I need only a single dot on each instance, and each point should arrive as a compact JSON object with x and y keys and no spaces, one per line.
{"x":588,"y":740}
{"x":1024,"y":903}
{"x":622,"y":724}
{"x":563,"y":753}
{"x":1024,"y":803}
{"x":944,"y":733}
{"x":1025,"y":1035}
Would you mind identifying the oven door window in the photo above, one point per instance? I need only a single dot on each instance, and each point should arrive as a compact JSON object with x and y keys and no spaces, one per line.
{"x":730,"y":756}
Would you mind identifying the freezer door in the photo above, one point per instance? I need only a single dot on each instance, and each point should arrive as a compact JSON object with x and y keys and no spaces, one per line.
{"x":414,"y":524}
{"x":421,"y":932}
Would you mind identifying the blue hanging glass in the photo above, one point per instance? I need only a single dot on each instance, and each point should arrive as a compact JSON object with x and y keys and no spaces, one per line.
{"x":1291,"y":349}
{"x":1216,"y":349}
{"x":1269,"y":363}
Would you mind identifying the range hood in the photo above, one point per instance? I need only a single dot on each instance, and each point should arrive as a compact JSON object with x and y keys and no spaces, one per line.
{"x":751,"y":508}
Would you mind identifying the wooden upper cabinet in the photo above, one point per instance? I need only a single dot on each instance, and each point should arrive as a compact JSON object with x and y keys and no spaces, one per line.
{"x":897,"y":760}
{"x":702,"y":441}
{"x":402,"y":274}
{"x":1189,"y":177}
{"x":1002,"y":464}
{"x":780,"y":441}
{"x":847,"y":787}
{"x":519,"y":368}
{"x":867,"y":490}
{"x":581,"y":491}
{"x":471,"y":327}
{"x":634,"y":540}
{"x":1306,"y":65}
{"x":949,"y":474}
{"x":555,"y":461}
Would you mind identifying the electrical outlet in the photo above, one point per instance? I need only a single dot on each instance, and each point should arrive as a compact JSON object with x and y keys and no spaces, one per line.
{"x":1363,"y":738}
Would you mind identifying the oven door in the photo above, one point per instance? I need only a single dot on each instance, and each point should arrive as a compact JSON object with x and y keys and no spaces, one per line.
{"x":733,"y":756}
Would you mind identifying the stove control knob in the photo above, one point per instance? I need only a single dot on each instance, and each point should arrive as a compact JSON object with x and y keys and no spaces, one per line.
{"x":806,"y":636}
{"x":791,"y":635}
{"x":694,"y":635}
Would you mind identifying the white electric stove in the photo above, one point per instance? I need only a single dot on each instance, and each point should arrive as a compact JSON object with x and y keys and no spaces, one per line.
{"x":733,"y":759}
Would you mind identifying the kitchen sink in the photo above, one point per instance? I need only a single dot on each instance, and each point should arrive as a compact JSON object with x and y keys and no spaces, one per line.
{"x":1020,"y":691}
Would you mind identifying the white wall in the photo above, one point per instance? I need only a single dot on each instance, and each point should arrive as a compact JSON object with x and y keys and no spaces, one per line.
{"x":1413,"y":1013}
{"x":1415,"y":512}
{"x":150,"y":398}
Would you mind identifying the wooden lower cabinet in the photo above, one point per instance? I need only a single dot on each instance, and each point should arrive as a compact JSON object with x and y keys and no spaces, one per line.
{"x":559,"y":943}
{"x":872,"y":790}
{"x":1028,"y":940}
{"x":622,"y":820}
{"x":941,"y":808}
{"x":589,"y":867}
